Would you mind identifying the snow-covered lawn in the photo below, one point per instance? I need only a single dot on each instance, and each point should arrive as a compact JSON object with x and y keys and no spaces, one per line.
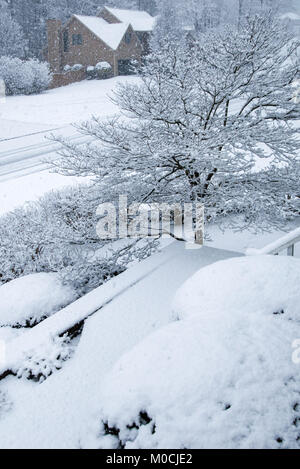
{"x":22,"y":116}
{"x":57,"y":108}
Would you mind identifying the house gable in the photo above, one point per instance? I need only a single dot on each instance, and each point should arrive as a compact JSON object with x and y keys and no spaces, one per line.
{"x":88,"y":40}
{"x":108,"y":16}
{"x":90,"y":52}
{"x":141,"y":21}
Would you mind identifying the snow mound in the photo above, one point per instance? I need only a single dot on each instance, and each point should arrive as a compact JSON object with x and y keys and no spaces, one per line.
{"x":27,"y":300}
{"x":223,"y":377}
{"x":248,"y":285}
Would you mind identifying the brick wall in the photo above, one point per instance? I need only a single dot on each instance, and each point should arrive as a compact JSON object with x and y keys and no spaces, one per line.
{"x":92,"y":50}
{"x":134,"y":50}
{"x":54,"y":45}
{"x":63,"y":79}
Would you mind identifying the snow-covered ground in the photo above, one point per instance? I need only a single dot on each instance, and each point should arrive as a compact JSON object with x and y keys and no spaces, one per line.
{"x":223,"y":375}
{"x":27,"y":121}
{"x":56,"y":108}
{"x":59,"y":412}
{"x":241,"y":241}
{"x":211,"y":379}
{"x":61,"y":409}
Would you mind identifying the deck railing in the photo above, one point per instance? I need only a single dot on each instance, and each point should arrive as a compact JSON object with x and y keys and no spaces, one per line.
{"x":285,"y":243}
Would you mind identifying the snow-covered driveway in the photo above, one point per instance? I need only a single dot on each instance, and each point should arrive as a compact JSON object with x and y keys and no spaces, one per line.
{"x":57,"y":413}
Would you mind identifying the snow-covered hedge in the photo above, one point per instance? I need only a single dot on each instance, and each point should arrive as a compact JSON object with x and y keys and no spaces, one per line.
{"x":222,"y":375}
{"x":77,"y":67}
{"x":24,"y":77}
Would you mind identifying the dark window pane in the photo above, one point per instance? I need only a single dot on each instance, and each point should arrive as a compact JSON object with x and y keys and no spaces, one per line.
{"x":77,"y":39}
{"x":66,"y":41}
{"x":128,"y":38}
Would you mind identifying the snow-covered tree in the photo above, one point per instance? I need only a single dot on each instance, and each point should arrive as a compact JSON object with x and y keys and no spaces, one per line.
{"x":168,"y":26}
{"x":211,"y":120}
{"x":12,"y":41}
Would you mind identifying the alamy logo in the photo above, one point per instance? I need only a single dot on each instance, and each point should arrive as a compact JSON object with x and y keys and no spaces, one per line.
{"x":154,"y":220}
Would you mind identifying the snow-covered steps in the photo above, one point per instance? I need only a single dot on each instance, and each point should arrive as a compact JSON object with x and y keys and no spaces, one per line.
{"x":127,"y":309}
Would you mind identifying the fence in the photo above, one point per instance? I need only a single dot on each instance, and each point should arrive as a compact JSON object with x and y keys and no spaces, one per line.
{"x":286,"y":242}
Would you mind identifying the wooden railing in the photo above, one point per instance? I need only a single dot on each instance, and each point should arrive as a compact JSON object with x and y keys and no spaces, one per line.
{"x":285,"y":243}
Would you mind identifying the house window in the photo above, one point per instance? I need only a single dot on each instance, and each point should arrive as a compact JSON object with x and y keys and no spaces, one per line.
{"x":77,"y":40}
{"x":128,"y":37}
{"x":66,"y":41}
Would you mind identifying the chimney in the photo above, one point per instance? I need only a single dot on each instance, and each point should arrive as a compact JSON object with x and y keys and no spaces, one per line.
{"x":54,"y":44}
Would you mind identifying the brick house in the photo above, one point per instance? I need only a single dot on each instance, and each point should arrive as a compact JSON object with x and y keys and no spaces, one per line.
{"x":114,"y":36}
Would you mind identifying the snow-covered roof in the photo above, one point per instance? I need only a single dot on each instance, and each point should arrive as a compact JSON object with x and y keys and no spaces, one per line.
{"x":290,"y":16}
{"x":139,"y":20}
{"x":111,"y":34}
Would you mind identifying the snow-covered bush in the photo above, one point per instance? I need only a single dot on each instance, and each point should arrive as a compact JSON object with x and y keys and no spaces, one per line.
{"x":77,"y":67}
{"x":103,"y":70}
{"x":67,"y":68}
{"x":27,"y":300}
{"x":222,"y":376}
{"x":91,"y":72}
{"x":42,"y":362}
{"x":57,"y":233}
{"x":24,"y":77}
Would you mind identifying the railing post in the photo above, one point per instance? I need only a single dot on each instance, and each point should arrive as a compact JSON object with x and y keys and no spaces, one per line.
{"x":291,"y":250}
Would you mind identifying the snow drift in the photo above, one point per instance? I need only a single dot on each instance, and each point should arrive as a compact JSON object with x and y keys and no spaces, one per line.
{"x":222,"y":376}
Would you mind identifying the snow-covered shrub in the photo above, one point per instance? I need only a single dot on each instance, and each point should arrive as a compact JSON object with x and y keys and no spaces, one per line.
{"x":67,"y":68}
{"x":27,"y":300}
{"x":24,"y":77}
{"x":221,"y":377}
{"x":42,"y":362}
{"x":91,"y":72}
{"x":57,"y":233}
{"x":77,"y":67}
{"x":103,"y":70}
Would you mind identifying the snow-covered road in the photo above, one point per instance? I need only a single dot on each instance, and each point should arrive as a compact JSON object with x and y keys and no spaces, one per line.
{"x":29,"y":159}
